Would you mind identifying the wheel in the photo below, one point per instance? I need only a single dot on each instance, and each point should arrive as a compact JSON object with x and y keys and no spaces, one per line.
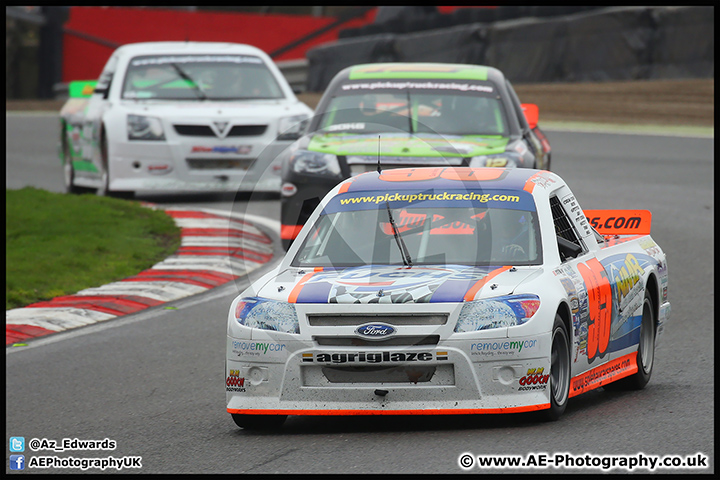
{"x":258,"y":422}
{"x":69,"y":171}
{"x":646,"y":352}
{"x":559,"y":371}
{"x":104,"y":189}
{"x":104,"y":175}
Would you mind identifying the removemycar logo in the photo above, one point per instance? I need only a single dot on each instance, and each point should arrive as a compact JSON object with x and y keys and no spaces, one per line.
{"x":373,"y":357}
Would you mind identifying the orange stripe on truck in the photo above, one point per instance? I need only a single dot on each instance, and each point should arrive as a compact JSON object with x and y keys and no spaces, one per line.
{"x":604,"y":374}
{"x":470,"y":295}
{"x":424,"y":411}
{"x":296,"y":290}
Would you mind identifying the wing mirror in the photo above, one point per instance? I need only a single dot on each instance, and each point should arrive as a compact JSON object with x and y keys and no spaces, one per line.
{"x":568,"y":249}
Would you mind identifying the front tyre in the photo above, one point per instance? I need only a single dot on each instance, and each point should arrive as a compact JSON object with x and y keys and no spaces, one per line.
{"x":104,"y":190}
{"x":559,"y":371}
{"x":258,"y":422}
{"x":69,"y":171}
{"x":645,"y":354}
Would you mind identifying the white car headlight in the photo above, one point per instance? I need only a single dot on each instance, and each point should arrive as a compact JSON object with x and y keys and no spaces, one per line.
{"x":292,"y":128}
{"x":255,"y":312}
{"x":315,"y":163}
{"x":498,"y":312}
{"x":140,"y":127}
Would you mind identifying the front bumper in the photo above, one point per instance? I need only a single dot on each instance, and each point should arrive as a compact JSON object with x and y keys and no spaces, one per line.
{"x":274,"y":374}
{"x":200,"y":165}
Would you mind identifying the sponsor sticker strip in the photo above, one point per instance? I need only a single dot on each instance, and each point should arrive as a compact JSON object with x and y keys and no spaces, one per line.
{"x":214,"y":250}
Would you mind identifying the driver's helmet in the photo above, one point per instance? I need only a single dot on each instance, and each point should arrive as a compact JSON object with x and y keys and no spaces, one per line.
{"x":228,"y":82}
{"x":510,"y":225}
{"x":368,"y":104}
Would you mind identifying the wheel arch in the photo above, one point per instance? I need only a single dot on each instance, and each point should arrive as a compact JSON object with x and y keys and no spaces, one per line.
{"x":563,"y":310}
{"x":63,"y":136}
{"x":104,"y":146}
{"x":653,"y":288}
{"x":63,"y":131}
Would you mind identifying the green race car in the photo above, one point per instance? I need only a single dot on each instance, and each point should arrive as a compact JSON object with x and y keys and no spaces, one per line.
{"x":390,"y":115}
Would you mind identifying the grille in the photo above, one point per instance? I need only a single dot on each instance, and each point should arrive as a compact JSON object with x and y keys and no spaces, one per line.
{"x":219,"y":163}
{"x":401,"y":374}
{"x":206,"y":131}
{"x":405,"y":340}
{"x":194,"y":130}
{"x":377,"y":375}
{"x":371,"y":166}
{"x":247,"y":130}
{"x":357,"y":320}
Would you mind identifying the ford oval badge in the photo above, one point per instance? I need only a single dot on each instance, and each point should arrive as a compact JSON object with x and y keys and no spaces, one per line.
{"x":375,"y":331}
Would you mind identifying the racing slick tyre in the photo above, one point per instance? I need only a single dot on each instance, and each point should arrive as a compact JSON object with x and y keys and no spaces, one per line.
{"x":104,"y":190}
{"x":258,"y":422}
{"x":559,"y":371}
{"x":645,"y":354}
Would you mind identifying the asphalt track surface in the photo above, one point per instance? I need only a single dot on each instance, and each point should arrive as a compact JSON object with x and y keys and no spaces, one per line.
{"x":153,"y":381}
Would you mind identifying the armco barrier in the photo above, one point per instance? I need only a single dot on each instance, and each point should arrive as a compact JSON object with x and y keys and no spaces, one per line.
{"x":616,"y":43}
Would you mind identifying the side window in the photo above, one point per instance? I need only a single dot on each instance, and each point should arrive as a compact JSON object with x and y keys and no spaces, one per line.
{"x":517,"y":107}
{"x":565,"y":231}
{"x":105,"y":80}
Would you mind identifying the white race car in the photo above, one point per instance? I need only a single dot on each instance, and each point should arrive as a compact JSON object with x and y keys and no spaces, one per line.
{"x":448,"y":290}
{"x":180,"y":116}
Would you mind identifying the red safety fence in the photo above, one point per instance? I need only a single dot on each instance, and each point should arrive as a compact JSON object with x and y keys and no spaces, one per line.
{"x":92,"y":33}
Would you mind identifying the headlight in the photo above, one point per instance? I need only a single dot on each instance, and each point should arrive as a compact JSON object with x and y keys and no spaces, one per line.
{"x":292,"y":128}
{"x":519,"y":146}
{"x":315,"y":163}
{"x":502,"y":160}
{"x":144,"y":128}
{"x":267,"y":314}
{"x":498,"y":312}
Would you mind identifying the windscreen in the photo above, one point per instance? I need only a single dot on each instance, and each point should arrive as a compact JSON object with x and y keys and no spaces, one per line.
{"x":443,"y":107}
{"x":464,"y":227}
{"x":199,"y":77}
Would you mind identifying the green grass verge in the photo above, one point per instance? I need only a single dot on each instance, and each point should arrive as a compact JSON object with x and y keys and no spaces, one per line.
{"x":59,"y":244}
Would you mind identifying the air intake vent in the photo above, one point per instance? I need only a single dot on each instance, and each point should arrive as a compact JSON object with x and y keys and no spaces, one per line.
{"x":194,"y":130}
{"x":412,"y":374}
{"x":357,"y":320}
{"x":247,"y":130}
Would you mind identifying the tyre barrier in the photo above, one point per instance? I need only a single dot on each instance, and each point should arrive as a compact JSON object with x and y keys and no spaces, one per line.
{"x":540,"y":44}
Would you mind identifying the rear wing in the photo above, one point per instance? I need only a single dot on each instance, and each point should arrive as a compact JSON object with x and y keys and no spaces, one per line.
{"x":81,"y":88}
{"x":620,"y":222}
